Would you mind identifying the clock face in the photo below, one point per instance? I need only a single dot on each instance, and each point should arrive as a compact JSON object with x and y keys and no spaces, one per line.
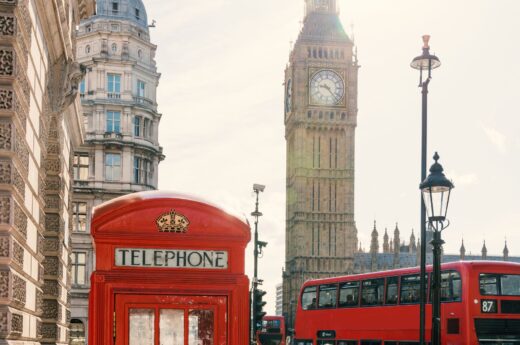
{"x":327,"y":88}
{"x":288,"y":96}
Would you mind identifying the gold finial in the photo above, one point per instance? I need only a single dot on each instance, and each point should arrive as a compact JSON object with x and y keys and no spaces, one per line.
{"x":426,"y":40}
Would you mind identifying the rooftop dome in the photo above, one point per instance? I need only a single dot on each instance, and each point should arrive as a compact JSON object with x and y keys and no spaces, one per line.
{"x":132,"y":10}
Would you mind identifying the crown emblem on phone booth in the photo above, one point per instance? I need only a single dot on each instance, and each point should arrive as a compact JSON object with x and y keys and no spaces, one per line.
{"x":172,"y":222}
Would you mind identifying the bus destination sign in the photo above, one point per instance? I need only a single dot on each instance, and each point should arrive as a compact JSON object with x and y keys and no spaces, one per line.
{"x":171,"y":258}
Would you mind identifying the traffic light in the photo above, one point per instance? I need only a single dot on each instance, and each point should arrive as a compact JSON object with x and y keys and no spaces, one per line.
{"x":259,"y":309}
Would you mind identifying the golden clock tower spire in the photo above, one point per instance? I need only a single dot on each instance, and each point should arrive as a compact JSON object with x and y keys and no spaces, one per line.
{"x":320,"y":122}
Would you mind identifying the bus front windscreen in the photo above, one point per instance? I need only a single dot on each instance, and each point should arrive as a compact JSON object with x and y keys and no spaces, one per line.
{"x":500,"y":284}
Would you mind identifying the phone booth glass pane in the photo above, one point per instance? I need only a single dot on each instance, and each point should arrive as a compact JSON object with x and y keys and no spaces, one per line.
{"x":171,"y":327}
{"x":141,"y":326}
{"x":201,"y":327}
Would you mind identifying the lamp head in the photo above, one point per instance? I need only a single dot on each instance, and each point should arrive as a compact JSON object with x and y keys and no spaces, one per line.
{"x":436,"y":190}
{"x":258,"y":187}
{"x":426,"y":61}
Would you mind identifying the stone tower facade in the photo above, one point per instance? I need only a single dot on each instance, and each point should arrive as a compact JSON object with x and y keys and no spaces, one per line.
{"x":121,"y":152}
{"x":40,"y":126}
{"x":320,"y":123}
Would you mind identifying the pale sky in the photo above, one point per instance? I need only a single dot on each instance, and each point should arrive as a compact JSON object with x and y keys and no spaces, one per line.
{"x":221,"y":96}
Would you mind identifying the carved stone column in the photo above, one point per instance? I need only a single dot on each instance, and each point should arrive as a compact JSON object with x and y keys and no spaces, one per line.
{"x":61,"y":91}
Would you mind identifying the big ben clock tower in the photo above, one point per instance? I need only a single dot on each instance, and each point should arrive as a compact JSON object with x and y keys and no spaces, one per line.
{"x":320,"y":121}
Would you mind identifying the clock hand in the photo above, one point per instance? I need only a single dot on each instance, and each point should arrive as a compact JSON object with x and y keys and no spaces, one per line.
{"x":326,"y":87}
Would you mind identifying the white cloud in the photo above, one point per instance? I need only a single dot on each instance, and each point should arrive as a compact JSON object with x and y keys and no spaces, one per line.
{"x":498,"y":139}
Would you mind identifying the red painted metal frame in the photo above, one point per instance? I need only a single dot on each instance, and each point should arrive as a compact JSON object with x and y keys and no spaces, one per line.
{"x":129,"y":222}
{"x":398,"y":322}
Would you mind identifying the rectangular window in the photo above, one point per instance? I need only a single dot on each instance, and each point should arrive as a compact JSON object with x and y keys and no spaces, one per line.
{"x":450,"y":286}
{"x":137,"y":126}
{"x":410,"y":288}
{"x":115,"y":8}
{"x":147,"y":128}
{"x":137,"y":170}
{"x":137,"y":14}
{"x":79,"y":266}
{"x":327,"y":297}
{"x":510,"y":285}
{"x":79,"y":216}
{"x":392,"y":290}
{"x":113,"y":122}
{"x":141,"y":86}
{"x":372,"y":292}
{"x":113,"y":166}
{"x":349,"y":294}
{"x":80,"y":166}
{"x":309,"y":298}
{"x":114,"y":85}
{"x":500,"y":284}
{"x":82,"y":87}
{"x":142,"y":170}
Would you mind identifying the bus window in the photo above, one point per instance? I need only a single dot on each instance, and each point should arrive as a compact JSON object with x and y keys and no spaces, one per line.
{"x":510,"y":285}
{"x":370,"y":342}
{"x":410,"y":289}
{"x":372,"y":292}
{"x":391,"y":290}
{"x":326,"y":342}
{"x":347,"y":342}
{"x":450,"y":286}
{"x":327,"y":296}
{"x":348,"y":294}
{"x":309,"y":298}
{"x":488,"y":284}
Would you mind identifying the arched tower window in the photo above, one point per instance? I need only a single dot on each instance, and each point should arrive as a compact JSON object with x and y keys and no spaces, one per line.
{"x":114,"y":47}
{"x":87,"y":49}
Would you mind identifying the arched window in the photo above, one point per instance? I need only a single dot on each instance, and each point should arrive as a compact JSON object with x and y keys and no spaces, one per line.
{"x":114,"y":47}
{"x":87,"y":49}
{"x":140,"y":54}
{"x":331,"y":115}
{"x":309,"y":114}
{"x":321,"y":115}
{"x":343,"y":116}
{"x":77,"y":332}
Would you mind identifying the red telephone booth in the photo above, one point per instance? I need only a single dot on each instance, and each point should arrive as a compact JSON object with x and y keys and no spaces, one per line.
{"x":169,"y":270}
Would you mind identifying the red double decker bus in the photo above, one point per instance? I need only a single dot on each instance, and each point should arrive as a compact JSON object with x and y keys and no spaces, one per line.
{"x":272,"y":331}
{"x":480,"y":305}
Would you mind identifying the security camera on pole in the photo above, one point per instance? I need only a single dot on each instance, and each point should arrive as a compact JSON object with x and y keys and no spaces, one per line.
{"x":257,"y":295}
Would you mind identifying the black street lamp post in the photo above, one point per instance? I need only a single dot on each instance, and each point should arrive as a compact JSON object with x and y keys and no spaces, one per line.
{"x":436,"y":190}
{"x":257,"y":189}
{"x":425,"y":62}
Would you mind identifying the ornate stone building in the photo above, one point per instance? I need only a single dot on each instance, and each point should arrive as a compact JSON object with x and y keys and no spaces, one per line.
{"x":121,"y":151}
{"x":398,"y":254}
{"x":320,"y":122}
{"x":40,"y":126}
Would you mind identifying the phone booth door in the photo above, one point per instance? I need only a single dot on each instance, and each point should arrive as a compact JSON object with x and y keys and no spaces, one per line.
{"x":170,"y":320}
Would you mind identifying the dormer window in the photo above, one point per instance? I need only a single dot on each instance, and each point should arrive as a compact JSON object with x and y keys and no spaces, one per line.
{"x":115,"y":8}
{"x":137,"y":14}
